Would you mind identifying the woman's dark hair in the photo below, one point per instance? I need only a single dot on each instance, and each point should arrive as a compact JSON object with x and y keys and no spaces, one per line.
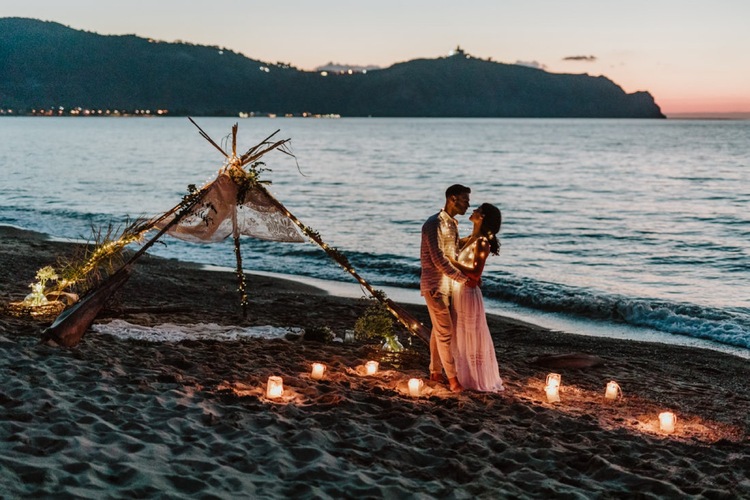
{"x":491,"y":225}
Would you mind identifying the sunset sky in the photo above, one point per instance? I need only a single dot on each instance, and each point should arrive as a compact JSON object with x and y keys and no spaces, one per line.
{"x":692,"y":55}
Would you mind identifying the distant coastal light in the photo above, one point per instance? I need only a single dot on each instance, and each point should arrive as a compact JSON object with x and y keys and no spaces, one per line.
{"x":81,"y":111}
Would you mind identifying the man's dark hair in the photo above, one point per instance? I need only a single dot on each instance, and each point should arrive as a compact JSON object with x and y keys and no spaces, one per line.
{"x":456,"y":190}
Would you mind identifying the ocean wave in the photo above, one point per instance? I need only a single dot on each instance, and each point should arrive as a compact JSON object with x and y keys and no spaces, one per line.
{"x":729,"y":326}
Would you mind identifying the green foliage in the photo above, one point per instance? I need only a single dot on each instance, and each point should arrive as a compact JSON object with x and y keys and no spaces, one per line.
{"x":248,"y":179}
{"x":99,"y":258}
{"x":318,"y":334}
{"x":376,"y":323}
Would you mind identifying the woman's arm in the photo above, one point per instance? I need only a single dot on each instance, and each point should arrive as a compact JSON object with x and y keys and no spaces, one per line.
{"x":480,"y":257}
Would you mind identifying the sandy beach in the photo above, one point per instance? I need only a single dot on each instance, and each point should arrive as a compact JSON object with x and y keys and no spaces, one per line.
{"x":130,"y":418}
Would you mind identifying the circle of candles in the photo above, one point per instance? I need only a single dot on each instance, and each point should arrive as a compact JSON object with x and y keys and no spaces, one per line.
{"x":371,"y":367}
{"x":553,"y":387}
{"x":275,"y":387}
{"x":612,"y":391}
{"x":318,"y":369}
{"x":667,"y":421}
{"x":415,"y":387}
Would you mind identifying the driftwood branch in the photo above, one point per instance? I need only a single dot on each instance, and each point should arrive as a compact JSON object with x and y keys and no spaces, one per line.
{"x":208,"y":138}
{"x":404,"y":317}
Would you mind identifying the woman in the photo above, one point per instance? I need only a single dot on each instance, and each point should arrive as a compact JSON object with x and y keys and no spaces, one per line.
{"x":473,"y":350}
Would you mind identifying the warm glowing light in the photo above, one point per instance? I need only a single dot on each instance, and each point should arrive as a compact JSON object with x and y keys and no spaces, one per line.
{"x":318,"y":369}
{"x":415,"y":387}
{"x":667,"y":421}
{"x":613,"y":391}
{"x":371,"y":367}
{"x":553,"y":393}
{"x":553,"y":387}
{"x":554,"y":379}
{"x":275,"y":387}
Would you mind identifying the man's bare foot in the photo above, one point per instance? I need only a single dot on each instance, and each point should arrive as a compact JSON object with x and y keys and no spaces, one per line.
{"x":454,"y":385}
{"x":436,"y":377}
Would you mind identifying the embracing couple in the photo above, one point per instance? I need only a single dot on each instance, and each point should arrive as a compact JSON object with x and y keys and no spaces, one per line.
{"x":452,"y":268}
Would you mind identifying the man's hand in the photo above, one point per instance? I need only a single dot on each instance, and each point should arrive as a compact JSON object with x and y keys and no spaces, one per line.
{"x":474,"y":283}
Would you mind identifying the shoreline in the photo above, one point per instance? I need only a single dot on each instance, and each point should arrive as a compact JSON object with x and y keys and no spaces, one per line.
{"x":539,"y":319}
{"x":536,"y":319}
{"x":190,"y":418}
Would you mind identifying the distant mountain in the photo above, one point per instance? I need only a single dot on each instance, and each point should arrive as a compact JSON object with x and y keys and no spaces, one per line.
{"x":45,"y":65}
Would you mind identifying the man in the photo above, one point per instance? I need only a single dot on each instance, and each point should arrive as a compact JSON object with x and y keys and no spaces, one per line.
{"x":440,"y":239}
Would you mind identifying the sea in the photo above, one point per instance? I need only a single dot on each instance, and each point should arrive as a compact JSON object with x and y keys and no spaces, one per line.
{"x":636,"y":229}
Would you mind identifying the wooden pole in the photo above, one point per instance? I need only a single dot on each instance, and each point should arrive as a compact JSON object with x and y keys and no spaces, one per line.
{"x":404,"y":317}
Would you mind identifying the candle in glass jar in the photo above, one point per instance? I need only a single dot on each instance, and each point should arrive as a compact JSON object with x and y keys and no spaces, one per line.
{"x":552,"y":389}
{"x":275,"y":387}
{"x":667,"y":421}
{"x":371,"y":367}
{"x":612,"y":391}
{"x":415,"y":387}
{"x":318,"y":369}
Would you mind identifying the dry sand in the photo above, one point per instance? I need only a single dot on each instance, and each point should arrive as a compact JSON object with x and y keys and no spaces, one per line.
{"x":126,"y":418}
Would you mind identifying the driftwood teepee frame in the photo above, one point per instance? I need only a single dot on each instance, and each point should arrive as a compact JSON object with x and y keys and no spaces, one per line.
{"x":71,"y":324}
{"x":403,"y":316}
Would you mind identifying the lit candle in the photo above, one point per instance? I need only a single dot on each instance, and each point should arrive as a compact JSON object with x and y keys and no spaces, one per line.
{"x":415,"y":387}
{"x":371,"y":367}
{"x":553,"y":393}
{"x":667,"y":420}
{"x":613,"y":390}
{"x":318,"y":369}
{"x":553,"y":387}
{"x":275,"y":387}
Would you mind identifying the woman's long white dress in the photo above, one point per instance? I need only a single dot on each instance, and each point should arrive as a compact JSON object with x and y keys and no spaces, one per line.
{"x":473,"y":350}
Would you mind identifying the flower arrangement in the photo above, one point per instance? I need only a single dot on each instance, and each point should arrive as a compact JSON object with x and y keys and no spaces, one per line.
{"x":38,"y":296}
{"x":377,"y":323}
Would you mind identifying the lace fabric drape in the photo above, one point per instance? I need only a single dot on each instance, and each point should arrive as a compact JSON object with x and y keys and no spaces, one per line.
{"x":219,"y":215}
